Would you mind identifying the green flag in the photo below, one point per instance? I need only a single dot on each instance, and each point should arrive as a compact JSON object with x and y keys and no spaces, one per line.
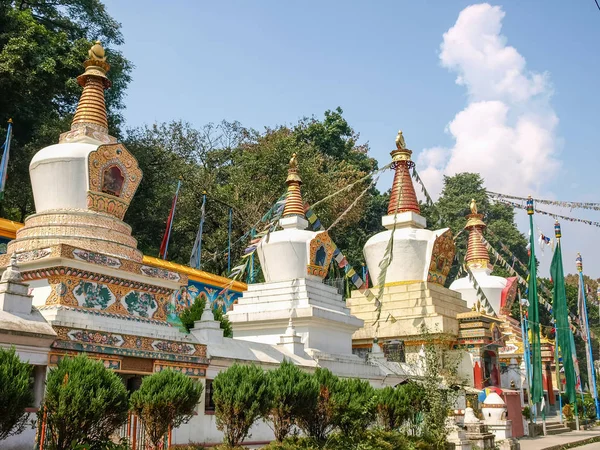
{"x":561,"y":319}
{"x":533,"y":316}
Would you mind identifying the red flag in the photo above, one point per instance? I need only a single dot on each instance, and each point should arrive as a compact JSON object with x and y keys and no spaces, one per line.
{"x":164,"y":245}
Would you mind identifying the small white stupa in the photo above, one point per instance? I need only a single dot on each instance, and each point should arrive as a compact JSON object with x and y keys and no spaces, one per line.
{"x":294,"y":262}
{"x":478,"y":261}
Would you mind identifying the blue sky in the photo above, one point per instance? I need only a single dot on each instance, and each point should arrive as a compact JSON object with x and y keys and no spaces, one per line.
{"x":265,"y":63}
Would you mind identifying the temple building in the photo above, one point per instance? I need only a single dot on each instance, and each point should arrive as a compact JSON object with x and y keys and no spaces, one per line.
{"x":75,"y":282}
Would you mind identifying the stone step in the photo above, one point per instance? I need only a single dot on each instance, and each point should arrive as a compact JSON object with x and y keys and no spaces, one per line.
{"x":554,"y":431}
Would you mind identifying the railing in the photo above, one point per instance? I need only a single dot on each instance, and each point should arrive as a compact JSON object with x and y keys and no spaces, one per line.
{"x":133,"y":431}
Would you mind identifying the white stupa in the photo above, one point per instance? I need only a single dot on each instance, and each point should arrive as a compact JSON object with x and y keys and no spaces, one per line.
{"x":414,"y":295}
{"x":294,"y":262}
{"x":477,"y":260}
{"x":83,"y":185}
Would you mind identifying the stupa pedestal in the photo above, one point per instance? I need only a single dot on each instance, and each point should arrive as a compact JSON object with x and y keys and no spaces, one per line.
{"x":477,"y":432}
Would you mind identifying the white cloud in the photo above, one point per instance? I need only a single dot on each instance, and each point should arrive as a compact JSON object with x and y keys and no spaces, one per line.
{"x":506,"y":132}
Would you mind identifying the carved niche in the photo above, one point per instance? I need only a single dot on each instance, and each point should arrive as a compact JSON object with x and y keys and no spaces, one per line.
{"x":442,"y":256}
{"x":114,"y":176}
{"x":321,"y":252}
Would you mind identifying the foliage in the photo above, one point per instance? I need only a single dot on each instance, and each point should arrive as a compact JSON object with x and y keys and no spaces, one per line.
{"x":42,"y":48}
{"x":15,"y":393}
{"x":165,"y":400}
{"x":291,"y":391}
{"x":319,"y":421}
{"x":399,"y":405}
{"x":568,"y":412}
{"x":526,"y":413}
{"x":194,"y":313}
{"x":84,"y":404}
{"x":355,"y":405}
{"x":241,"y":397}
{"x":441,"y":386}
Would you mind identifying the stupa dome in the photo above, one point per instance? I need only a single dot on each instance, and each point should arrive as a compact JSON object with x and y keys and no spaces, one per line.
{"x":294,"y":252}
{"x":418,"y":254}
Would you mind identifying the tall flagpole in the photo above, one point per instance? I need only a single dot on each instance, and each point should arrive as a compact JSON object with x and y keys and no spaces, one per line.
{"x":196,"y":257}
{"x":165,"y":244}
{"x":534,"y":318}
{"x":5,"y":157}
{"x":229,"y":241}
{"x":588,"y":341}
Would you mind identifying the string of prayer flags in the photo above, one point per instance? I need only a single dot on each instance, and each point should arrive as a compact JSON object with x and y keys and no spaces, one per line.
{"x":546,"y":213}
{"x":561,"y":204}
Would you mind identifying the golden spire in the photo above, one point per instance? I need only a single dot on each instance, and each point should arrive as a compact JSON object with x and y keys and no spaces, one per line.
{"x":293,"y":202}
{"x":91,"y":110}
{"x":477,"y":254}
{"x":403,"y":197}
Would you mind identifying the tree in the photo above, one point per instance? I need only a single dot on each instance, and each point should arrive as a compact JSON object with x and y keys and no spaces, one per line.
{"x":165,"y":400}
{"x":84,"y":404}
{"x":291,"y":391}
{"x":399,"y":405}
{"x":194,"y":313}
{"x":240,"y":395}
{"x":42,"y":47}
{"x":319,"y":421}
{"x":355,"y":405}
{"x":15,"y":393}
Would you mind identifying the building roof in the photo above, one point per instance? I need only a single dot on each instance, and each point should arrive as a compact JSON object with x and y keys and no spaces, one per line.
{"x":196,"y":275}
{"x":8,"y":228}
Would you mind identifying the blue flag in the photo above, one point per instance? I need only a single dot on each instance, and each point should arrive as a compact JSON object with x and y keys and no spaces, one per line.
{"x":5,"y":156}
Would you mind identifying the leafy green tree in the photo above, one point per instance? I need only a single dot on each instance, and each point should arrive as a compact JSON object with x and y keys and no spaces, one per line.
{"x":194,"y":313}
{"x":15,"y":393}
{"x":84,"y":404}
{"x":355,"y":406}
{"x":291,"y":391}
{"x":319,"y":421}
{"x":399,"y":405}
{"x":241,"y":397}
{"x":165,"y":400}
{"x":42,"y":47}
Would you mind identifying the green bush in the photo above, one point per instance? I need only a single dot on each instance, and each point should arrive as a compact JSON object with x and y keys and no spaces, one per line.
{"x":194,"y":312}
{"x":319,"y":421}
{"x":165,"y":399}
{"x":84,"y":403}
{"x":400,"y":405}
{"x":355,"y":406}
{"x":241,"y":397}
{"x":290,"y":391}
{"x":15,"y":394}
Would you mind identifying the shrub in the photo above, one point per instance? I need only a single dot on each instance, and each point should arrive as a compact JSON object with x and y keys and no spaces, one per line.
{"x":194,"y":312}
{"x":291,"y":391}
{"x":15,"y":394}
{"x":318,"y":422}
{"x":526,"y":413}
{"x":165,"y":399}
{"x":355,"y":405}
{"x":85,"y":403}
{"x":241,"y":398}
{"x":400,"y":405}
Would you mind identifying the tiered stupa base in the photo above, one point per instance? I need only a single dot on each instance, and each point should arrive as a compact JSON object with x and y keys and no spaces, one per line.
{"x":84,"y":229}
{"x":415,"y":307}
{"x":318,"y":313}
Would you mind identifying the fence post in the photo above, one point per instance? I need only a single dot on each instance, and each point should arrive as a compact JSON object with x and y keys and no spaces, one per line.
{"x":43,"y":432}
{"x":134,"y":439}
{"x":170,"y":436}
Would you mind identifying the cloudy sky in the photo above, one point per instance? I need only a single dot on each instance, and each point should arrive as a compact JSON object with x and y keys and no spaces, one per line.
{"x":509,"y":90}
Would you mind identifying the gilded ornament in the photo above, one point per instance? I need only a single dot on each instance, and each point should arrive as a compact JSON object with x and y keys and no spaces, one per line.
{"x":473,"y":206}
{"x":400,"y":144}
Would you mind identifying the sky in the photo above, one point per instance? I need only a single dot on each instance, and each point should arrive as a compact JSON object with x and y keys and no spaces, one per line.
{"x":507,"y":89}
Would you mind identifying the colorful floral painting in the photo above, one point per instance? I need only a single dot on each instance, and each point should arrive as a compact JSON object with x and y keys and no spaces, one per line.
{"x":140,"y":304}
{"x":96,"y":337}
{"x":93,"y":295}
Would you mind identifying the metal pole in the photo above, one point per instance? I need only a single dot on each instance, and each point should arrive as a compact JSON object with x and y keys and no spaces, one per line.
{"x":229,"y":242}
{"x":590,"y":356}
{"x":558,"y":382}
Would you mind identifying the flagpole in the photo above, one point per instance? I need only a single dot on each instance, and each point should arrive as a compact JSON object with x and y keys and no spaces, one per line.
{"x":196,"y":257}
{"x":558,"y":382}
{"x":229,"y":241}
{"x":5,"y":157}
{"x":170,"y":220}
{"x":537,"y":392}
{"x":524,"y":333}
{"x":588,"y":342}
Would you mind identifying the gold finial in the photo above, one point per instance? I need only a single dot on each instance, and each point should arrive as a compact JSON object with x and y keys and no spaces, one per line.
{"x":400,"y":144}
{"x":473,"y":206}
{"x":10,"y":120}
{"x":293,"y":161}
{"x":97,"y":52}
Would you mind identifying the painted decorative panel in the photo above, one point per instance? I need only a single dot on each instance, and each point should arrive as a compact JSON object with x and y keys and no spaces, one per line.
{"x":190,"y":371}
{"x":93,"y":295}
{"x":140,"y":303}
{"x":442,"y":256}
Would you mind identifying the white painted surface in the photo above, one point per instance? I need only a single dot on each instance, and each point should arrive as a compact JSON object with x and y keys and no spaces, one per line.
{"x":59,"y":176}
{"x":491,"y":286}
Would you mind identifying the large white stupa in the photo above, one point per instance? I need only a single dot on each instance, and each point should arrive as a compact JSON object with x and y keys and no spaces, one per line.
{"x":83,"y":185}
{"x":414,"y":295}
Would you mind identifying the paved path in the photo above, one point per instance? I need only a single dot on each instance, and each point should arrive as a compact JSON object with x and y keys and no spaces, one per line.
{"x":549,"y":442}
